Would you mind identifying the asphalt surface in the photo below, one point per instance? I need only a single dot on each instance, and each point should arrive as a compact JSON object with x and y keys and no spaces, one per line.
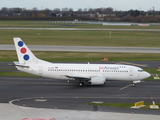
{"x":87,"y":48}
{"x":54,"y":94}
{"x":39,"y":92}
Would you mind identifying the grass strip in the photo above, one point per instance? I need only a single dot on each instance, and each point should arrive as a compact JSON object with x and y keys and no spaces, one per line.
{"x":122,"y":105}
{"x":16,"y":74}
{"x":82,"y":38}
{"x":152,"y":70}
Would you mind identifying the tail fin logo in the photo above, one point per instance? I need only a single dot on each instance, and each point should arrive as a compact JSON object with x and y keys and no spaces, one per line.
{"x":20,"y":43}
{"x":23,"y":50}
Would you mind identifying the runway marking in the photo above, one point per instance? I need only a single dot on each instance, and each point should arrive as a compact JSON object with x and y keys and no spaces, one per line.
{"x":126,"y":87}
{"x":99,"y":102}
{"x":122,"y":88}
{"x":41,"y":100}
{"x":134,"y":64}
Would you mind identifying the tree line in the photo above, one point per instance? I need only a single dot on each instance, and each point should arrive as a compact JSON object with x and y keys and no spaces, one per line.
{"x":94,"y":14}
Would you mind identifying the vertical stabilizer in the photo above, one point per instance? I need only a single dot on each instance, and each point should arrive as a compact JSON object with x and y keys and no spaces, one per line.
{"x":23,"y":52}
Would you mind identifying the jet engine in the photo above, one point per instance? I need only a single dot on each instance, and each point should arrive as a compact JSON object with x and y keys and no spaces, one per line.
{"x":97,"y":80}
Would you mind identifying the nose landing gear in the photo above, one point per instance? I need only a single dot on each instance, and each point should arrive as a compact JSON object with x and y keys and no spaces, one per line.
{"x":135,"y":82}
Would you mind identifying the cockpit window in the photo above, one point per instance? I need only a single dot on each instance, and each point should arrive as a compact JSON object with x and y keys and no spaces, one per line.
{"x":140,"y":70}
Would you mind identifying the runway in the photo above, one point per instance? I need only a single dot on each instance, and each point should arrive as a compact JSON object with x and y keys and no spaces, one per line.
{"x":87,"y":48}
{"x":46,"y":93}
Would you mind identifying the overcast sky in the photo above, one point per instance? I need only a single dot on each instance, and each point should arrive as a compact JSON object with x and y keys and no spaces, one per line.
{"x":76,"y":4}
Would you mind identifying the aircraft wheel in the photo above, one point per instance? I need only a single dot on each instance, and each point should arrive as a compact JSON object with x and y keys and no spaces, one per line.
{"x":133,"y":85}
{"x":81,"y":83}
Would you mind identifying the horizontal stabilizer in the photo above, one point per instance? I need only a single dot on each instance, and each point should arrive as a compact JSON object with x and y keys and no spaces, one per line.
{"x":20,"y":65}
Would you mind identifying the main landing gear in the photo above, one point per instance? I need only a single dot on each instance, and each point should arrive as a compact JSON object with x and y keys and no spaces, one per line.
{"x":133,"y":84}
{"x":81,"y":83}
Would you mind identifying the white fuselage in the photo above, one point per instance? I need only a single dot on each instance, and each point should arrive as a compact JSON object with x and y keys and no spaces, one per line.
{"x":108,"y":71}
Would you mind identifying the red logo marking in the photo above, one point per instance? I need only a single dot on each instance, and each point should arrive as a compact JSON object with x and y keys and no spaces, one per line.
{"x":23,"y":50}
{"x":101,"y":68}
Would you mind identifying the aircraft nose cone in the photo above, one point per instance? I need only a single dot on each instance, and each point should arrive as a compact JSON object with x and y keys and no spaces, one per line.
{"x":147,"y":75}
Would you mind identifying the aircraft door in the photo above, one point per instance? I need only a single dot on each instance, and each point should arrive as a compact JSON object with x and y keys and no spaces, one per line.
{"x":40,"y":70}
{"x":130,"y":71}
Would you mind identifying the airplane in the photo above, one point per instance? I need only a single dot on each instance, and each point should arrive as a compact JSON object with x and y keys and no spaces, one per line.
{"x":95,"y":74}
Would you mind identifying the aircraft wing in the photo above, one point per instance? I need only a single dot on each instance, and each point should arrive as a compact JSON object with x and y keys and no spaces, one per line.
{"x":78,"y":77}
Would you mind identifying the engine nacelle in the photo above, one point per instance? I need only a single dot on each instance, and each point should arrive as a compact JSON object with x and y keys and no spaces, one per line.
{"x":97,"y":80}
